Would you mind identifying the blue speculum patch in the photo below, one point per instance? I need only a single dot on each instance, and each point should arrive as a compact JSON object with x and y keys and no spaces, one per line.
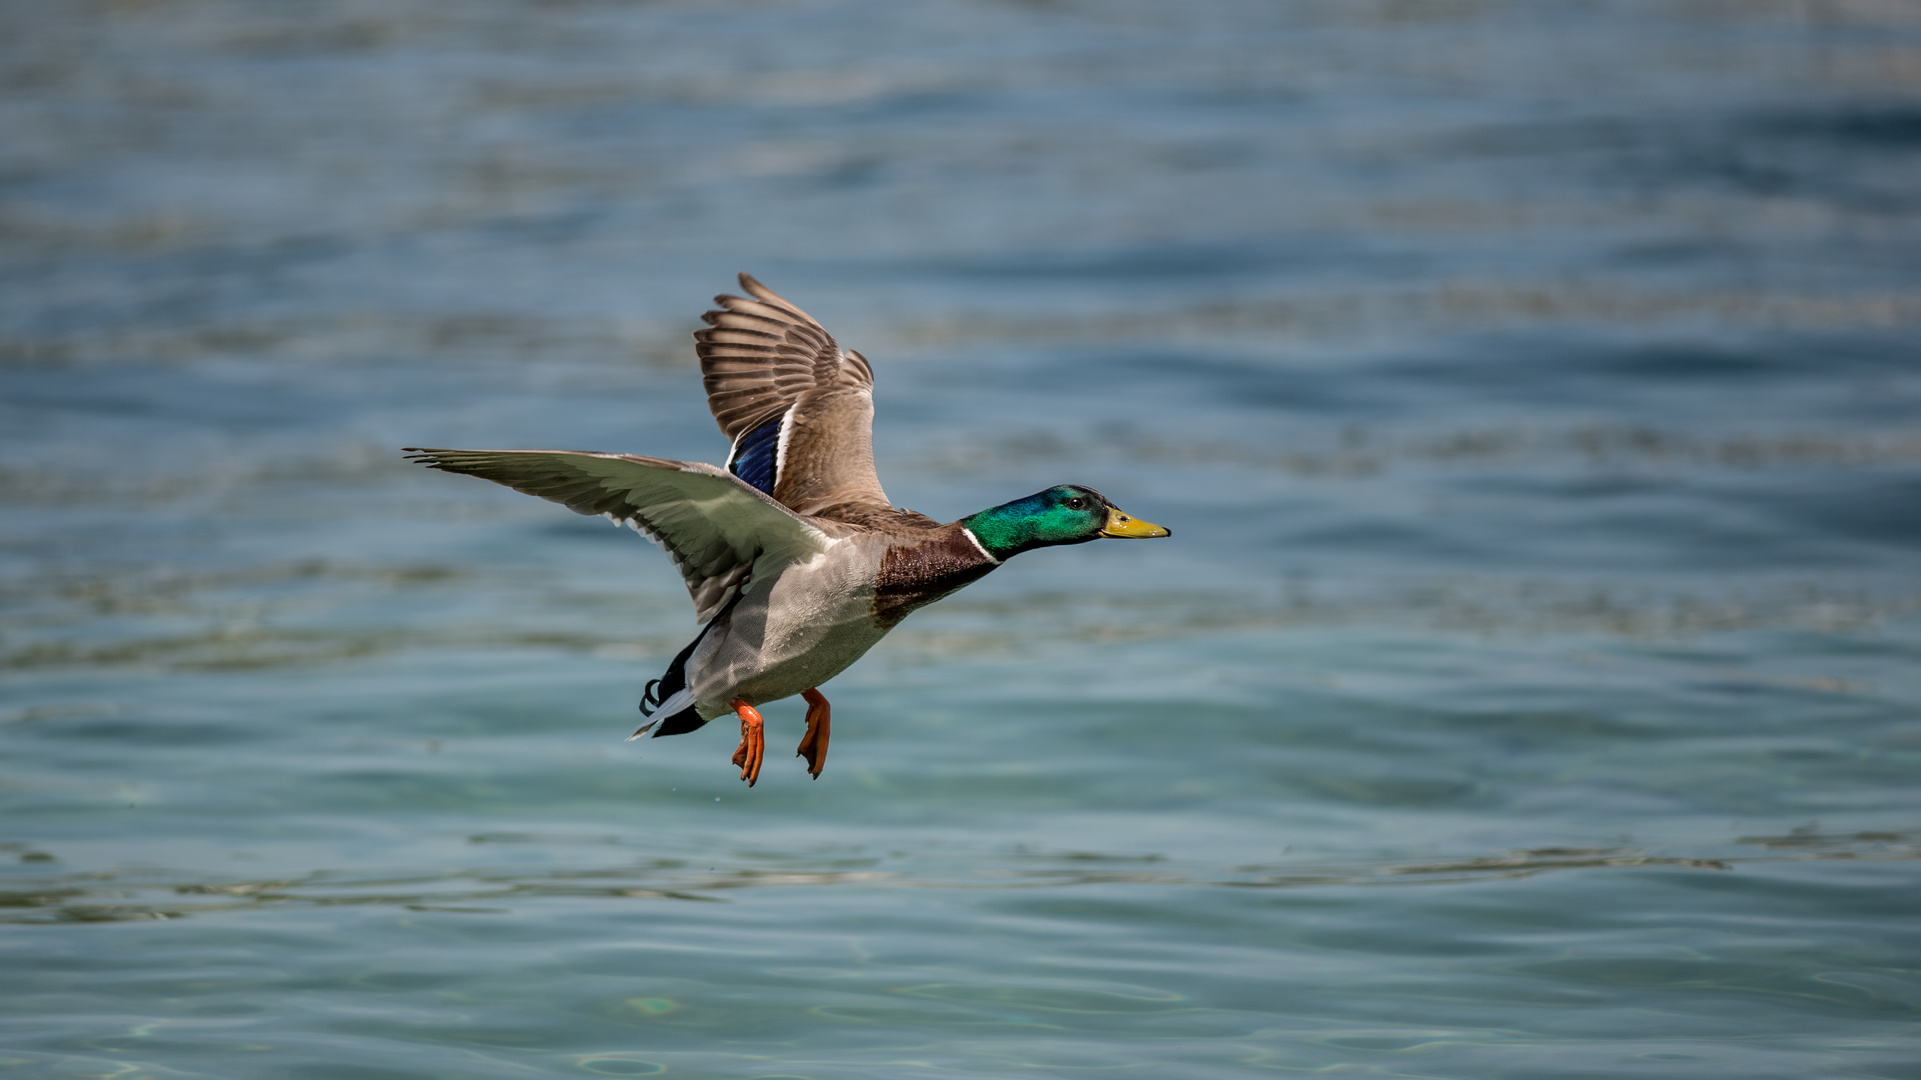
{"x":755,"y":456}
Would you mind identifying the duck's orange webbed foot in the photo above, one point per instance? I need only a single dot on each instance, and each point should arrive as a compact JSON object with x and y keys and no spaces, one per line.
{"x":753,"y":741}
{"x":813,"y":745}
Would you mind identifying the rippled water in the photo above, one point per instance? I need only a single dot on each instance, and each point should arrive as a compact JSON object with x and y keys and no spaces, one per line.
{"x":1529,"y":689}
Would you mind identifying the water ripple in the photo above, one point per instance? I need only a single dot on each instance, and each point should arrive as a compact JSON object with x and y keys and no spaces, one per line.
{"x":110,"y":896}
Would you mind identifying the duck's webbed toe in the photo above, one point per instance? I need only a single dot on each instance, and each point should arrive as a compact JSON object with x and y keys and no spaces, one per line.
{"x":813,"y":745}
{"x":753,"y":741}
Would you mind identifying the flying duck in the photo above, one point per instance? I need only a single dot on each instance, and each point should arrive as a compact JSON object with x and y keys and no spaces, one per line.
{"x":796,"y":560}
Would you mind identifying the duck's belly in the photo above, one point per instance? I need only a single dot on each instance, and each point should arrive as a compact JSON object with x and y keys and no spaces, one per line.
{"x":776,"y":643}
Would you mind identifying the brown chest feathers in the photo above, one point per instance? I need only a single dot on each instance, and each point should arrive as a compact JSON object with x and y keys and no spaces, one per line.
{"x":916,"y":574}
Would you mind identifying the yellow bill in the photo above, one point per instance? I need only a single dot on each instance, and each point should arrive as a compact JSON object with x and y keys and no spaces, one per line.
{"x":1130,"y":528}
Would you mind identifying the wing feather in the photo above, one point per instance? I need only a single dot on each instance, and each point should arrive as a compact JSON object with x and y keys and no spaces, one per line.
{"x":720,"y":532}
{"x":762,"y":358}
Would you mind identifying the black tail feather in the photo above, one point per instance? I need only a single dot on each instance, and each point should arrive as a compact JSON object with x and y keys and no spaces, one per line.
{"x":673,"y":682}
{"x":669,"y":684}
{"x":682,"y":722}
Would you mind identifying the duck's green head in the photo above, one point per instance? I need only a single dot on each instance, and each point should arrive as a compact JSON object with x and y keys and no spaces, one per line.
{"x":1068,"y":514}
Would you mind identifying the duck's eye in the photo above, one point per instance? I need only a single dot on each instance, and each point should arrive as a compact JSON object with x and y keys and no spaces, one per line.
{"x":1077,"y":503}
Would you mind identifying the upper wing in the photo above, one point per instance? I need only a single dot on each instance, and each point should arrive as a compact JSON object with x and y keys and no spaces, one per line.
{"x":719,"y":531}
{"x":800,"y":411}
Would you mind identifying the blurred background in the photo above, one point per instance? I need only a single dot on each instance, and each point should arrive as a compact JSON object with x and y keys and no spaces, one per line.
{"x":1529,"y":688}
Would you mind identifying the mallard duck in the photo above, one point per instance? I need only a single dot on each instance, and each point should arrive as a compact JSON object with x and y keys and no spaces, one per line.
{"x":796,"y":560}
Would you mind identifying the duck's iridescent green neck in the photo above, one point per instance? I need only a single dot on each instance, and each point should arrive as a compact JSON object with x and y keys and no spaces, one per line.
{"x":1060,"y":515}
{"x":1003,"y":530}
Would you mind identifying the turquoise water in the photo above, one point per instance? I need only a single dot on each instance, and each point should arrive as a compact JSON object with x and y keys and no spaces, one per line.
{"x":1529,"y":689}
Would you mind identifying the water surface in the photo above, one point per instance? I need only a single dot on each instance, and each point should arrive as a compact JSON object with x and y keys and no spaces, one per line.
{"x":1529,"y":688}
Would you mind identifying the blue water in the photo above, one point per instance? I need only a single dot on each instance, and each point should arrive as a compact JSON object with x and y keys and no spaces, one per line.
{"x":1529,"y":688}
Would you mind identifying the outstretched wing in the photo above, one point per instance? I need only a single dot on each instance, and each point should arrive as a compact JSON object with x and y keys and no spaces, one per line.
{"x":720,"y":532}
{"x":799,"y":409}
